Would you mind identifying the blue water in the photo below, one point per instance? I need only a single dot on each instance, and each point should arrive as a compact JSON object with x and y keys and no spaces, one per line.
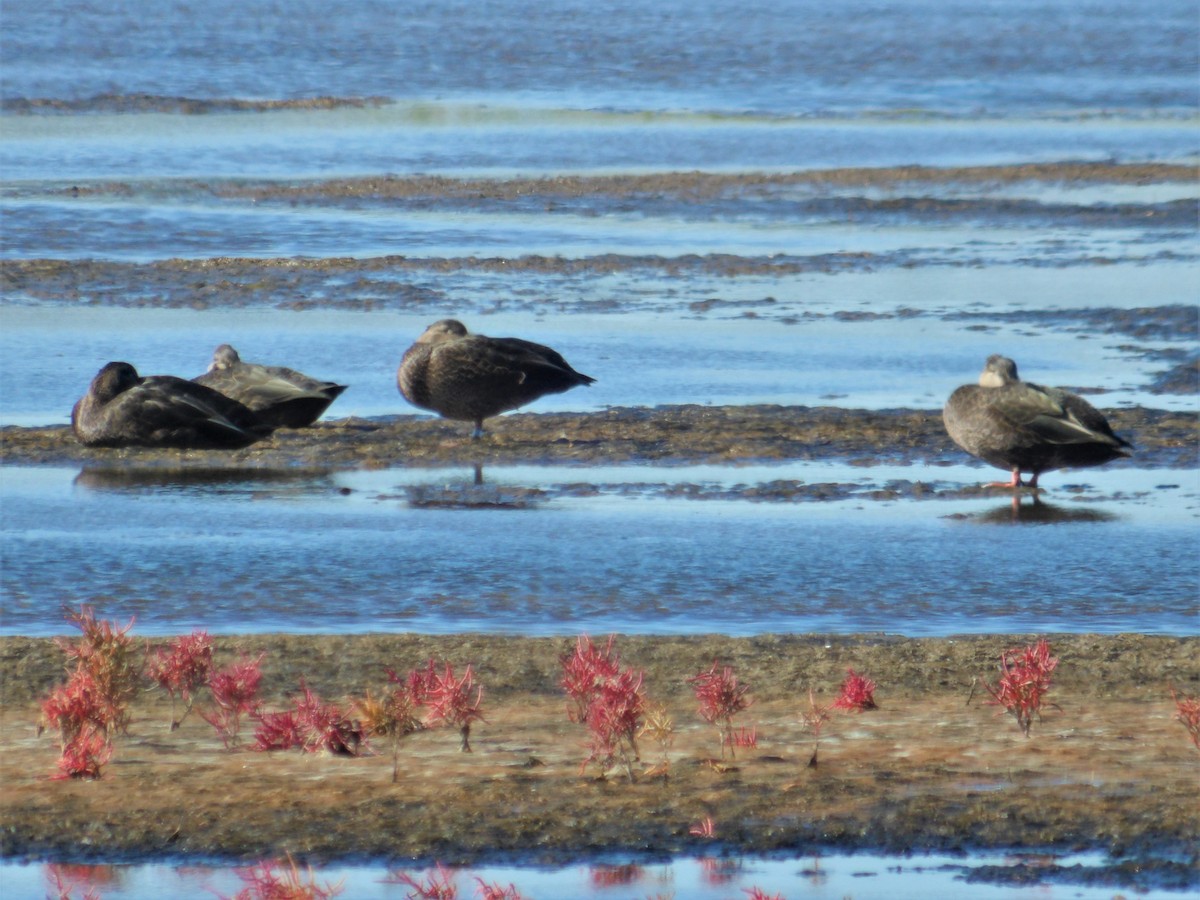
{"x":821,"y":877}
{"x":469,"y":87}
{"x":795,"y":57}
{"x":280,"y":552}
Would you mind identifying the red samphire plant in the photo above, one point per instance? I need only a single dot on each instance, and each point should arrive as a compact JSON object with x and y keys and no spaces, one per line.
{"x":234,"y":694}
{"x":93,"y":704}
{"x":607,"y":700}
{"x":310,"y":725}
{"x":585,"y":672}
{"x":449,"y":700}
{"x":721,"y":698}
{"x":1024,"y":681}
{"x":181,"y":669}
{"x":857,"y":695}
{"x":1187,"y":713}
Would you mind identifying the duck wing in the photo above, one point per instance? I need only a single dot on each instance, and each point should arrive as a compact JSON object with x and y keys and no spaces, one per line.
{"x":303,"y":382}
{"x":536,"y":361}
{"x":167,"y":411}
{"x":1053,"y":415}
{"x":280,"y":400}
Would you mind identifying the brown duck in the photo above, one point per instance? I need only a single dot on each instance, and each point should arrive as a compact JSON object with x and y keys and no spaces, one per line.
{"x":1024,"y":427}
{"x":472,"y":377}
{"x":123,"y":409}
{"x":282,"y":397}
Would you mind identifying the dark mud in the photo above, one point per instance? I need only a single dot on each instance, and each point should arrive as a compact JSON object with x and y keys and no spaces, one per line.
{"x":694,"y":187}
{"x":669,"y":434}
{"x":935,"y":768}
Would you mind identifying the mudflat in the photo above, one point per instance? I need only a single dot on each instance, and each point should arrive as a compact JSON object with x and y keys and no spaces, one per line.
{"x":662,"y":434}
{"x":936,"y":766}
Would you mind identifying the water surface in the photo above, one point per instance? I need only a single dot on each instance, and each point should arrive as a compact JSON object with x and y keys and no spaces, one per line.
{"x":595,"y":551}
{"x":864,"y":876}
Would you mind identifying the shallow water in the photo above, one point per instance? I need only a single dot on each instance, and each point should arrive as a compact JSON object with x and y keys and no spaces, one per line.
{"x":929,"y":332}
{"x":828,"y":875}
{"x":475,"y":141}
{"x":544,"y":551}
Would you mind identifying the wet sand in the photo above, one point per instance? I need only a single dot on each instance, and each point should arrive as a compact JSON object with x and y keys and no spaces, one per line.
{"x":934,"y":768}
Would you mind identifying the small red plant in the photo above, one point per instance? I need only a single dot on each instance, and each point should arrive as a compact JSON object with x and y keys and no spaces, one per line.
{"x":857,"y":695}
{"x":1187,"y":713}
{"x":75,"y":707}
{"x":282,"y":881}
{"x":705,"y":829}
{"x":439,"y":885}
{"x":93,"y":704}
{"x":310,"y":725}
{"x":614,"y":719}
{"x":450,"y":700}
{"x":757,"y":893}
{"x":607,"y":700}
{"x":746,"y":738}
{"x":1024,"y":681}
{"x":105,"y":653}
{"x":585,"y":672}
{"x":814,"y":719}
{"x":181,"y":669}
{"x":85,"y":755}
{"x":235,"y":694}
{"x":81,"y":716}
{"x":494,"y":891}
{"x":721,"y":698}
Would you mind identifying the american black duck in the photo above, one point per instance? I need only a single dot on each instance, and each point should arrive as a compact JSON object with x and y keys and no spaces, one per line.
{"x":282,"y":397}
{"x":122,"y":409}
{"x":472,"y":377}
{"x":1024,"y":427}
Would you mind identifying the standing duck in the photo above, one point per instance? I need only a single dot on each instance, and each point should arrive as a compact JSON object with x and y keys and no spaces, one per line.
{"x":1025,"y":427}
{"x":472,"y":377}
{"x":122,"y":409}
{"x":282,"y":397}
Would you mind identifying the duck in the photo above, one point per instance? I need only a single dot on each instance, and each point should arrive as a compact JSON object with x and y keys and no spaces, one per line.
{"x":472,"y":377}
{"x":282,"y":397}
{"x":123,"y":409}
{"x":1025,"y":427}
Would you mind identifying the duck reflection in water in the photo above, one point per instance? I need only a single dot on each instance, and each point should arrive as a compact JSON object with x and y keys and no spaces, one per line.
{"x":201,"y":479}
{"x":1037,"y":512}
{"x":475,"y":494}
